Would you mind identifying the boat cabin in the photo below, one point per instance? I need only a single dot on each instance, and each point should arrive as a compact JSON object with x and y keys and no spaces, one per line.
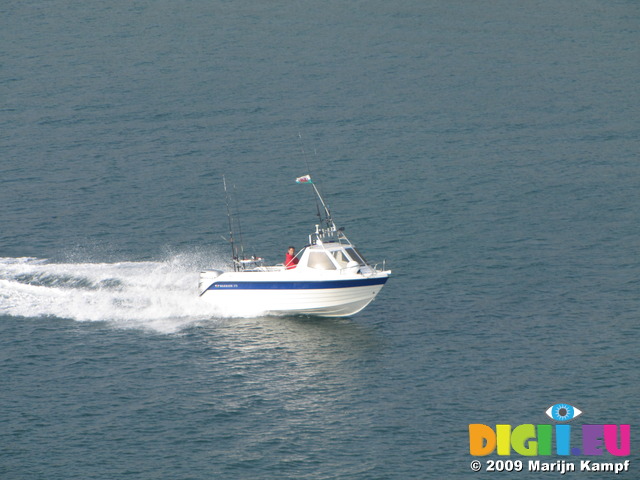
{"x":332,"y":256}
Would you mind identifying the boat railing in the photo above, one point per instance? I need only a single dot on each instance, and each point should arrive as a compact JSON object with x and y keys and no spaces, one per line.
{"x":328,"y":234}
{"x":366,"y":270}
{"x":384,"y":267}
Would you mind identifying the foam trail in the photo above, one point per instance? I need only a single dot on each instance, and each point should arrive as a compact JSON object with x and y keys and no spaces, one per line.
{"x":160,"y":296}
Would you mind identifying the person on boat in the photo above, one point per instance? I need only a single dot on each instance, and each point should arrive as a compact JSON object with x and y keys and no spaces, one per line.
{"x":290,"y":260}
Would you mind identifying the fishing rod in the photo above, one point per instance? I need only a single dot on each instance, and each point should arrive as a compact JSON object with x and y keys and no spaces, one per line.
{"x":234,"y":253}
{"x":237,"y":217}
{"x":240,"y":262}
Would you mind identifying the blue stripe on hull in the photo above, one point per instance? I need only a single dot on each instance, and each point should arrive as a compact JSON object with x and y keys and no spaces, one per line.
{"x":297,"y":285}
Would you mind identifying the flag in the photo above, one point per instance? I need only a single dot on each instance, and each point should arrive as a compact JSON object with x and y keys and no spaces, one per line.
{"x":305,"y":179}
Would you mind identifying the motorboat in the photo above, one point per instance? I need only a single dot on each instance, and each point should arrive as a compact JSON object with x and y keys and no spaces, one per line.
{"x":328,"y":278}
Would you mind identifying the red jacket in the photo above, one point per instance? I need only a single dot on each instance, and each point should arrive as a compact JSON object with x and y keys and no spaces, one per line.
{"x":290,"y":261}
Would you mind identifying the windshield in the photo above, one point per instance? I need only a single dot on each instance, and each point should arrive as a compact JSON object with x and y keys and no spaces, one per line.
{"x":355,"y":255}
{"x":341,"y":258}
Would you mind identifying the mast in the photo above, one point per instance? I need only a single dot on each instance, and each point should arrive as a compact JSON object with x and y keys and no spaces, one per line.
{"x":327,"y":229}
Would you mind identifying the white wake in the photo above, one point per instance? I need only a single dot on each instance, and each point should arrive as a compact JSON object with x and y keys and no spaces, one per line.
{"x":161,"y":296}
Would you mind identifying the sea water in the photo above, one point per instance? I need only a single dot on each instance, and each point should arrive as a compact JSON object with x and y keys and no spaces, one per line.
{"x":488,"y":151}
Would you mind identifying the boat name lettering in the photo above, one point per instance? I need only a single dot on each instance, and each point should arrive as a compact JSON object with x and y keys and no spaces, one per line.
{"x":226,"y":285}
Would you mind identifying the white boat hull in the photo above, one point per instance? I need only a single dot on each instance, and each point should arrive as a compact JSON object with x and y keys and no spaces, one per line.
{"x":289,"y":295}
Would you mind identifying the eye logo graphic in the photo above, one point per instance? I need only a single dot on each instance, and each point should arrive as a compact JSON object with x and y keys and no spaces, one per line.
{"x":563,"y":412}
{"x":538,"y":440}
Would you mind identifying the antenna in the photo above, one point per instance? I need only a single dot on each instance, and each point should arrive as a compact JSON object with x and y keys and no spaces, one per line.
{"x":329,"y":220}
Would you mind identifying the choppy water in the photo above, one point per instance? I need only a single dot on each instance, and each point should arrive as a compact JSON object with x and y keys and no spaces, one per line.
{"x":487,"y":150}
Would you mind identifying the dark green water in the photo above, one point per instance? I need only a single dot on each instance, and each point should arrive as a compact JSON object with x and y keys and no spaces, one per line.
{"x":487,"y":150}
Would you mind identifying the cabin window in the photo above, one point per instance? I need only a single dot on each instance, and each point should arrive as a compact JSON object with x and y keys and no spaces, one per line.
{"x":320,"y":261}
{"x":353,"y":253}
{"x":341,"y":258}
